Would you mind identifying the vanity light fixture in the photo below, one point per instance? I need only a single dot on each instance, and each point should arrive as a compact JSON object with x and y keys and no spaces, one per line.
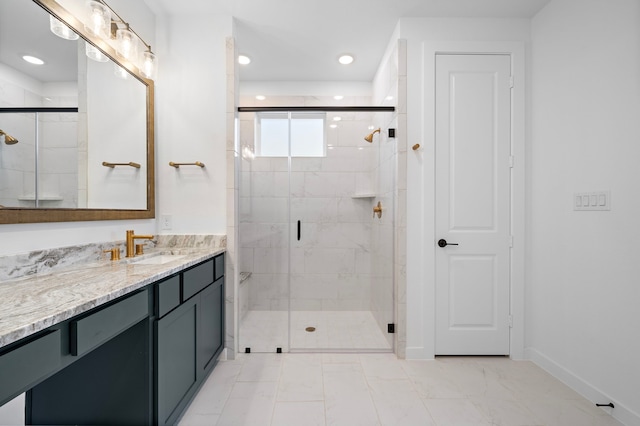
{"x":33,"y":60}
{"x":244,"y":60}
{"x":346,"y":59}
{"x":106,"y":23}
{"x":61,"y":30}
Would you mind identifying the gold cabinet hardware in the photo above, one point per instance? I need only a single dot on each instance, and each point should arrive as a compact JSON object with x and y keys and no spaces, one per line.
{"x":131,"y":237}
{"x":115,"y":253}
{"x":377,"y":210}
{"x":177,"y":165}
{"x":416,"y":147}
{"x":112,"y":165}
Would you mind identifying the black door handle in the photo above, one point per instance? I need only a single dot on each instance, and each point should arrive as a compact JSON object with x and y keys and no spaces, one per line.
{"x":298,"y":230}
{"x":443,"y":243}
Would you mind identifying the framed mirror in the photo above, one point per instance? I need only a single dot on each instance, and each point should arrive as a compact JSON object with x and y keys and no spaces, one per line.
{"x":76,"y":133}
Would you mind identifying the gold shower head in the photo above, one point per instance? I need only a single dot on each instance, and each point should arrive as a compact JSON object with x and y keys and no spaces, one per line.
{"x":8,"y":139}
{"x":369,"y":137}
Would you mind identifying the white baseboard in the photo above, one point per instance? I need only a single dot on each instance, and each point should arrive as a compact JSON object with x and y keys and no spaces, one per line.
{"x":620,"y":413}
{"x":417,"y":353}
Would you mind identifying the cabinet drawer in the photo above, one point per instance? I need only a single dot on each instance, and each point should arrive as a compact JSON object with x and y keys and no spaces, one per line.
{"x":25,"y":365}
{"x":196,"y":278}
{"x":98,"y":327}
{"x":219,"y":261}
{"x":167,"y":295}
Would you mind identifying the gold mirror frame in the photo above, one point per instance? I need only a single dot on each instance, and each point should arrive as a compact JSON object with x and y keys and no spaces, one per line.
{"x":26,"y":215}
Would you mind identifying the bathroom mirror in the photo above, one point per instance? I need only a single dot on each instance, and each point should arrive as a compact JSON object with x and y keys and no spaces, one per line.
{"x":69,"y":117}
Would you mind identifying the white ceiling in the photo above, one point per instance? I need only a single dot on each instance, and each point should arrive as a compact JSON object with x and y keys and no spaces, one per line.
{"x":288,"y":40}
{"x":291,"y":40}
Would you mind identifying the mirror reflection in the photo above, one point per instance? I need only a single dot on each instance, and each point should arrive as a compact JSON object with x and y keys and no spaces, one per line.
{"x":62,"y":115}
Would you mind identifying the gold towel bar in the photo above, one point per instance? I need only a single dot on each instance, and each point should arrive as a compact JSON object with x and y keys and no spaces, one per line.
{"x":112,"y":165}
{"x":177,"y":165}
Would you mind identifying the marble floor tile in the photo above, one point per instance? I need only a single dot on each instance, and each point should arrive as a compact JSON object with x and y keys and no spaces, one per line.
{"x":457,"y":412}
{"x":378,"y":389}
{"x":398,"y":404}
{"x":299,"y":413}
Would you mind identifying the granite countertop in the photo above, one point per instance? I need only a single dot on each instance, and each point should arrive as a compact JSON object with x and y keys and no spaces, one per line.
{"x":33,"y":303}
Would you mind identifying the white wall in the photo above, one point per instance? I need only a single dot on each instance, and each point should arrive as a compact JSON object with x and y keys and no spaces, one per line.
{"x":191,"y":96}
{"x":583,"y":292}
{"x":420,"y":166}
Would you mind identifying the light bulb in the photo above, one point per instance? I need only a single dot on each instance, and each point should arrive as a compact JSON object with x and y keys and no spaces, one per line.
{"x":60,"y":29}
{"x":94,"y":53}
{"x":120,"y":72}
{"x":127,"y":44}
{"x":148,"y":68}
{"x":99,"y":18}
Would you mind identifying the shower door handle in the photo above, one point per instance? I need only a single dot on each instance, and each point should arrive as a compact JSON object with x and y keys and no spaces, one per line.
{"x":298,"y":230}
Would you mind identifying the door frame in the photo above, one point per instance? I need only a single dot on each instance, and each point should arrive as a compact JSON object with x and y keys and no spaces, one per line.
{"x":516,"y":51}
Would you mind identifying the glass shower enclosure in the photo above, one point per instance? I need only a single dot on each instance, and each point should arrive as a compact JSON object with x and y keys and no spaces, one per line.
{"x":316,"y":215}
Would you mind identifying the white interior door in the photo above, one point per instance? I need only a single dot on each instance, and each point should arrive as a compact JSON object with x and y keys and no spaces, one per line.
{"x":473,"y":120}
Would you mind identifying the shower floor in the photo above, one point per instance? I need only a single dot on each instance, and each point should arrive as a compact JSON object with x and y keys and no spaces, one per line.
{"x":264,"y":331}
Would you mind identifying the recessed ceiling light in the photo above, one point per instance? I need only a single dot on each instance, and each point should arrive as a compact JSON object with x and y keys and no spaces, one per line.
{"x":337,"y":118}
{"x":338,"y":97}
{"x":33,"y":60}
{"x":244,"y":60}
{"x":345,"y":59}
{"x":389,"y":98}
{"x":261,"y":97}
{"x":333,"y":126}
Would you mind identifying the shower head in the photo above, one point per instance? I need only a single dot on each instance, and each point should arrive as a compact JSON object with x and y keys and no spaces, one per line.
{"x":369,"y":137}
{"x":8,"y":139}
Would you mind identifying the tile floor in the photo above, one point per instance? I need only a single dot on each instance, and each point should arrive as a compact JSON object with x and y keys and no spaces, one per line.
{"x":378,"y":389}
{"x":264,"y":331}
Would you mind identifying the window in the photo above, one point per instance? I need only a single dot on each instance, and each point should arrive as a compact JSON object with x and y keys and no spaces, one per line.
{"x":307,"y":134}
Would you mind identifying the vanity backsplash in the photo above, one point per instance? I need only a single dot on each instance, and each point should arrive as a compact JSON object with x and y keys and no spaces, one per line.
{"x":44,"y":261}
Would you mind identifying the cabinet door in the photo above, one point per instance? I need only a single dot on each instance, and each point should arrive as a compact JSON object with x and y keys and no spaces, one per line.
{"x":176,"y":360}
{"x":211,"y":325}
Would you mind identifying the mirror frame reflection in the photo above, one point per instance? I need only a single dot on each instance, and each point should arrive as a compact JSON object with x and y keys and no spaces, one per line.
{"x":26,"y":215}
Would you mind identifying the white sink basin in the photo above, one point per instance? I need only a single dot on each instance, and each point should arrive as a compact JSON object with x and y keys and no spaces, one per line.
{"x":158,"y":260}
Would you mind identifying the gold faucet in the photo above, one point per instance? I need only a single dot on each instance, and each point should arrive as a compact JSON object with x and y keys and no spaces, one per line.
{"x":131,"y":240}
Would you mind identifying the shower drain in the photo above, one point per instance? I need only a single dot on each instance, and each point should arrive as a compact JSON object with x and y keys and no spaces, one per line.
{"x":310,"y":329}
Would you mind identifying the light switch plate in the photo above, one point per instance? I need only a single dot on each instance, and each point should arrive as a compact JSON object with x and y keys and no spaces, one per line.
{"x":596,"y":200}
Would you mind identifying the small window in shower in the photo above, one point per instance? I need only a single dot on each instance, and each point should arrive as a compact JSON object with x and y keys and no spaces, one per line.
{"x":307,"y":134}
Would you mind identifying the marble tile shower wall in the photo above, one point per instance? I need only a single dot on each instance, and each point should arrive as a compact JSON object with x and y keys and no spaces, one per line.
{"x":331,"y":264}
{"x":58,"y":173}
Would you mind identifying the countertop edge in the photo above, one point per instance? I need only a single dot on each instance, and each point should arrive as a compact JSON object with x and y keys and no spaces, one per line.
{"x":140,"y":278}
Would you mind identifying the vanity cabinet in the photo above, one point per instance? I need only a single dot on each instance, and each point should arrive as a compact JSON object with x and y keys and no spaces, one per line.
{"x":189,"y":337}
{"x":139,"y":359}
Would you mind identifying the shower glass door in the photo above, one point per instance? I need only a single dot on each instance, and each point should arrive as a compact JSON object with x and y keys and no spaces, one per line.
{"x":316,"y":262}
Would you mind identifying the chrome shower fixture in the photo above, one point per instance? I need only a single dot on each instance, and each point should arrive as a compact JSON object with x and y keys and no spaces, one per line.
{"x":369,"y":137}
{"x":8,"y":139}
